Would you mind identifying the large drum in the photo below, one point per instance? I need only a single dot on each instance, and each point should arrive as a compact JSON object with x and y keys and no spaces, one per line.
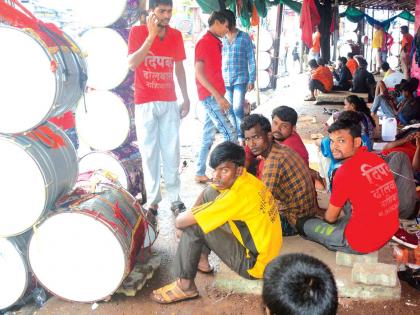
{"x":13,"y":271}
{"x":37,"y":80}
{"x":115,"y":13}
{"x":124,"y":164}
{"x":83,"y":252}
{"x":103,"y":121}
{"x":36,"y":169}
{"x":106,"y":51}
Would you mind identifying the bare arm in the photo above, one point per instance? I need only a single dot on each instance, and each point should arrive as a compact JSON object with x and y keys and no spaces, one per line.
{"x":201,"y":77}
{"x":416,"y":159}
{"x":332,"y":213}
{"x":184,"y":220}
{"x":140,"y":54}
{"x":398,"y":142}
{"x":182,"y":81}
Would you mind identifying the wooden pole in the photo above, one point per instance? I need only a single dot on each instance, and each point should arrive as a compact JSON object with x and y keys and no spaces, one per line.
{"x":256,"y":60}
{"x":277,"y":46}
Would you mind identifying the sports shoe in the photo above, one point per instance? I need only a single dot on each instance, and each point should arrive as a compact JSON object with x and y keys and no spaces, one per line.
{"x":406,"y":239}
{"x":412,"y":276}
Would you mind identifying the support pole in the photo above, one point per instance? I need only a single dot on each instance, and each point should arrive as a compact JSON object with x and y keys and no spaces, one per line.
{"x":257,"y":54}
{"x":277,"y":46}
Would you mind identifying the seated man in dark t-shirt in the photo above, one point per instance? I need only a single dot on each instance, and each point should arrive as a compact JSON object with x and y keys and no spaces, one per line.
{"x":342,"y":75}
{"x":364,"y":190}
{"x":363,"y":80}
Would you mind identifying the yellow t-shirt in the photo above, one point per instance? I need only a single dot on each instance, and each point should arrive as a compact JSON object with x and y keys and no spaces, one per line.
{"x":378,"y":37}
{"x":250,"y":209}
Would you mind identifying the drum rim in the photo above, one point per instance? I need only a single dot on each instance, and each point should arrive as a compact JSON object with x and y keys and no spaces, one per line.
{"x":26,"y":268}
{"x":106,"y":224}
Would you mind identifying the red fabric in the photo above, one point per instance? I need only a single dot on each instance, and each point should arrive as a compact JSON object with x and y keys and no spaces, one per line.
{"x":324,"y":75}
{"x":209,"y":50}
{"x":295,"y":143}
{"x":352,"y":65}
{"x":309,"y":17}
{"x":374,"y":198}
{"x":387,"y":43}
{"x":408,"y":148}
{"x":65,"y":121}
{"x":406,"y":42}
{"x":154,"y":76}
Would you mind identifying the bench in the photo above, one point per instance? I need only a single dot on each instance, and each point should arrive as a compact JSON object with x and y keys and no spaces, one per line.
{"x":337,"y":97}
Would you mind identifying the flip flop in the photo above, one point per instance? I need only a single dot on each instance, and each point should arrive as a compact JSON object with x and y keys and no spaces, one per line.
{"x":171,"y":293}
{"x":211,"y":270}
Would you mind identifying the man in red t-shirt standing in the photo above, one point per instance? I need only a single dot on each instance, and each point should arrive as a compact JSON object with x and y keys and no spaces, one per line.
{"x":364,"y":189}
{"x":155,"y":49}
{"x":211,"y":89}
{"x":406,"y":43}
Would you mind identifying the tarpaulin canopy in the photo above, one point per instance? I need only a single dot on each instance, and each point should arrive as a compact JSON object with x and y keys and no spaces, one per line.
{"x":355,"y":15}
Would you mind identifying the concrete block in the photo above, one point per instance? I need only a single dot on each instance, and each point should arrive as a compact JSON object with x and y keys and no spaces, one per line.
{"x":338,"y":96}
{"x":228,"y":281}
{"x":348,"y":260}
{"x":375,"y":274}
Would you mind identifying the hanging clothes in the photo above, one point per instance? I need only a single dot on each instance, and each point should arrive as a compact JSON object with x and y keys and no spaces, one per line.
{"x":309,"y":17}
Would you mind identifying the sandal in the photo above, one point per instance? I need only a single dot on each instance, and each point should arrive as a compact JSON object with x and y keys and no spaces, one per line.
{"x":171,"y":293}
{"x":310,"y":99}
{"x":211,"y":270}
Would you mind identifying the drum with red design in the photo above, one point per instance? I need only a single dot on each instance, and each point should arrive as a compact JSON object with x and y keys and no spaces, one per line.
{"x":84,"y":251}
{"x":40,"y":77}
{"x":36,"y":168}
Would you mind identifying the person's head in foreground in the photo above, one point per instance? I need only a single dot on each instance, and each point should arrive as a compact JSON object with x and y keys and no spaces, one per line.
{"x":345,"y":135}
{"x":321,"y":62}
{"x":350,"y":55}
{"x":284,"y":120}
{"x":232,"y":19}
{"x":342,"y":61}
{"x":219,"y":23}
{"x":227,"y":160}
{"x":385,"y":66}
{"x":298,"y":284}
{"x":257,"y":132}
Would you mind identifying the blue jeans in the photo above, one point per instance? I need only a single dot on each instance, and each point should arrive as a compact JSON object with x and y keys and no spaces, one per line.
{"x":215,"y":120}
{"x":236,"y":96}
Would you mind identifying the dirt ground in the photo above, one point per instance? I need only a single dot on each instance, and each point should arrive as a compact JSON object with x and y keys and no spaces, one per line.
{"x":211,"y":300}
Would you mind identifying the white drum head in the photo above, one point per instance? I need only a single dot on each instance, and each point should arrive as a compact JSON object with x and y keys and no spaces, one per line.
{"x":103,"y":161}
{"x":393,"y":79}
{"x":99,"y":13}
{"x":13,"y":274}
{"x":263,"y":79}
{"x":104,"y":123}
{"x":344,"y":49}
{"x":27,"y":83}
{"x":106,"y":57}
{"x":22,"y":186}
{"x":264,"y":60}
{"x":77,"y":257}
{"x":265,"y":40}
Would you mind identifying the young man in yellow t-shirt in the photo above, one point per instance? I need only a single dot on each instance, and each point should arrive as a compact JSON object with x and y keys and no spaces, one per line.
{"x":236,"y":217}
{"x":377,"y":43}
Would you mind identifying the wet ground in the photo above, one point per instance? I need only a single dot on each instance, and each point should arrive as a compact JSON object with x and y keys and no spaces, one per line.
{"x":291,"y":91}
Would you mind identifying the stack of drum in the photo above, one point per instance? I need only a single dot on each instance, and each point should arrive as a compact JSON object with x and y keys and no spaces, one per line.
{"x":77,"y":235}
{"x":264,"y":59}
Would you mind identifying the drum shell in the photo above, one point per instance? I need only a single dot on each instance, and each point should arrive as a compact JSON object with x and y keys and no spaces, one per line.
{"x":69,"y":70}
{"x":58,"y":166}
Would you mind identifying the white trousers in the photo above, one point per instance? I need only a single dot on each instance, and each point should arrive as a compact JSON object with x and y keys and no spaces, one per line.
{"x":157,"y":127}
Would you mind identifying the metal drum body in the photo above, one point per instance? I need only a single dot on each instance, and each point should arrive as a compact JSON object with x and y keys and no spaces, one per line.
{"x":115,"y":13}
{"x":13,"y":270}
{"x":106,"y":51}
{"x":103,"y":121}
{"x":83,"y":252}
{"x":36,"y":169}
{"x":37,"y":82}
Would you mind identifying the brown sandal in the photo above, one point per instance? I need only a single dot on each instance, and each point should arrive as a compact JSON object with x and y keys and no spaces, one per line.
{"x":171,"y":293}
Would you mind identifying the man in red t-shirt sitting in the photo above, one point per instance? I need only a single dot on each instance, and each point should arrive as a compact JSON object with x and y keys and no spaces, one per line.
{"x":364,"y":190}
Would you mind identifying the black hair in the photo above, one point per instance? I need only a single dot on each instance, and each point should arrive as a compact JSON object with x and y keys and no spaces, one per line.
{"x":385,"y":66}
{"x":154,"y":3}
{"x":313,"y":64}
{"x":256,"y":119}
{"x":348,"y":121}
{"x":350,"y":55}
{"x":404,"y":28}
{"x":361,"y":61}
{"x":343,"y":60}
{"x":298,"y":284}
{"x":231,"y":18}
{"x":220,"y":16}
{"x":360,"y":106}
{"x":285,"y":113}
{"x":321,"y":61}
{"x":411,"y":85}
{"x":227,"y":152}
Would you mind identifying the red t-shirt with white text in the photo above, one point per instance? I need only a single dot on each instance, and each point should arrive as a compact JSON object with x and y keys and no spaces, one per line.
{"x":367,"y":182}
{"x":154,"y":77}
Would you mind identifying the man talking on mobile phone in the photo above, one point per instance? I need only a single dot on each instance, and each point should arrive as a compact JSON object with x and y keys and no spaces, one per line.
{"x":154,"y":51}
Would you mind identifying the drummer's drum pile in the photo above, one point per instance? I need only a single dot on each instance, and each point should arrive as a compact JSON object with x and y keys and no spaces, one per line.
{"x":76,"y":235}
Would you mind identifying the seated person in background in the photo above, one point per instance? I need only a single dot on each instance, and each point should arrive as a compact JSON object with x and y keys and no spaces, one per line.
{"x":409,"y":107}
{"x":352,"y":64}
{"x":236,"y":217}
{"x":356,"y":104}
{"x":363,"y":80}
{"x":298,"y":284}
{"x":363,"y":189}
{"x":342,"y":75}
{"x":285,"y":173}
{"x":321,"y":78}
{"x":391,"y":77}
{"x":405,"y":142}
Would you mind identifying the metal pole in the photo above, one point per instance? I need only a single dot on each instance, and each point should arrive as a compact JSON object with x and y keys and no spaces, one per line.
{"x":335,"y":36}
{"x":277,"y":46}
{"x":256,"y":60}
{"x":371,"y":48}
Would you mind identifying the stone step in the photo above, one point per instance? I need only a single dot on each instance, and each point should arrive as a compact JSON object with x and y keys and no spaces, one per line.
{"x":229,"y":281}
{"x":348,"y":260}
{"x":375,"y":274}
